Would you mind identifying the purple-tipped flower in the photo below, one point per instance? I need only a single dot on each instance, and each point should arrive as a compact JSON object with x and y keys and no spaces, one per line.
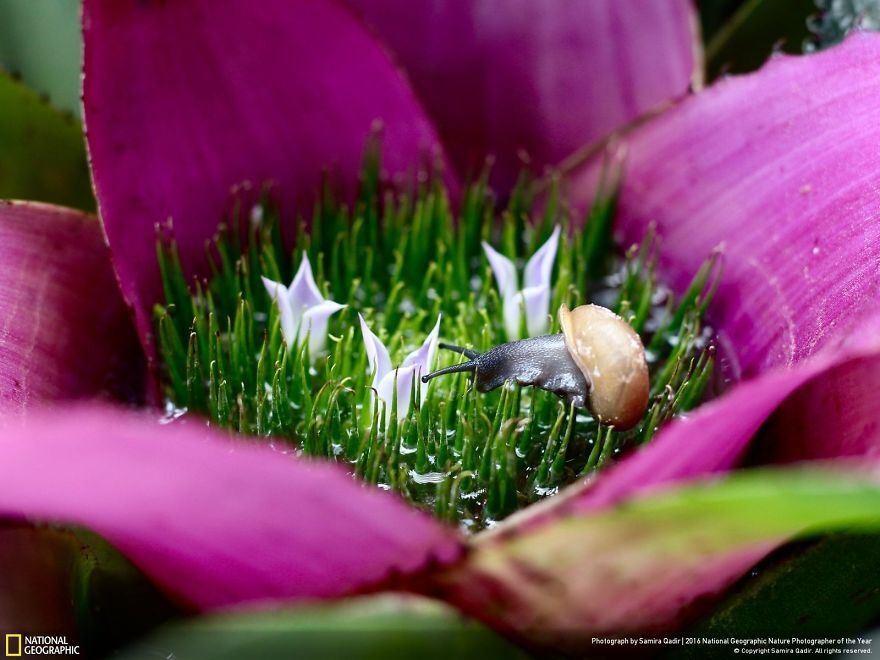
{"x":303,"y":310}
{"x":411,"y":369}
{"x":534,"y":297}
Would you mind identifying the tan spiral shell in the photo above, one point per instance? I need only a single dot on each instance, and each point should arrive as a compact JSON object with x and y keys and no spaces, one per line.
{"x":612,"y":358}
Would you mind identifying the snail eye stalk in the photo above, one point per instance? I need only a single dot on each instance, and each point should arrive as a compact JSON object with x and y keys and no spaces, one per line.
{"x":467,"y":352}
{"x":454,"y":369}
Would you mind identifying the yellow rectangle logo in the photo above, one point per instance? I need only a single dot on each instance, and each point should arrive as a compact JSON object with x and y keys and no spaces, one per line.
{"x":13,"y":646}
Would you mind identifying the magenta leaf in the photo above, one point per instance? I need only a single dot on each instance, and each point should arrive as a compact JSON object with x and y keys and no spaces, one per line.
{"x":65,"y":331}
{"x":779,"y":168}
{"x":540,"y":79}
{"x":213,"y":520}
{"x":800,"y":262}
{"x":717,"y":436}
{"x":185,"y":101}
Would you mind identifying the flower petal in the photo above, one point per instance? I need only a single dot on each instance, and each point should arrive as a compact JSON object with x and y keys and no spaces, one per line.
{"x":183,"y":101}
{"x":65,"y":332}
{"x":513,"y":76}
{"x":303,"y":292}
{"x":281,"y":297}
{"x":423,"y":357}
{"x":379,"y":362}
{"x":212,"y":520}
{"x":780,"y":168}
{"x":536,"y":300}
{"x":540,"y":267}
{"x":403,"y":376}
{"x":504,"y":271}
{"x":314,"y":323}
{"x":513,"y":312}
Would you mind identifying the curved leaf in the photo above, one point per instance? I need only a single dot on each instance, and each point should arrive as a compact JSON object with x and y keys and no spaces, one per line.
{"x":367,"y":627}
{"x":779,"y":168}
{"x":527,"y":81}
{"x":186,"y":100}
{"x":43,"y":155}
{"x":639,"y":568}
{"x":65,"y":332}
{"x":827,"y":589}
{"x":213,"y":521}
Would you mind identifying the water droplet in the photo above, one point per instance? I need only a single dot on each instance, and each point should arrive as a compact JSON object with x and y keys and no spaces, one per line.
{"x":427,"y":477}
{"x":171,"y":413}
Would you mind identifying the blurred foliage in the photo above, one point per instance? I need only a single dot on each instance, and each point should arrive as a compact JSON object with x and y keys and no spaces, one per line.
{"x":743,"y":40}
{"x":837,"y":18}
{"x":828,"y":588}
{"x":714,"y":14}
{"x":739,"y":35}
{"x":43,"y":154}
{"x":72,"y":582}
{"x":40,"y":43}
{"x":113,"y":601}
{"x":377,"y":627}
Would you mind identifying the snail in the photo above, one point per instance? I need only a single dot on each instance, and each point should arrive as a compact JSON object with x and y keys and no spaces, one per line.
{"x":597,"y":362}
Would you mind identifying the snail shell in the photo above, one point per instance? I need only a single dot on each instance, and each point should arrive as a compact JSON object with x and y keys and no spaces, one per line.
{"x":598,"y":361}
{"x":611,"y":357}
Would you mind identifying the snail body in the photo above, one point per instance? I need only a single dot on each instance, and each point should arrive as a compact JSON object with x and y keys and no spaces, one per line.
{"x":597,"y":361}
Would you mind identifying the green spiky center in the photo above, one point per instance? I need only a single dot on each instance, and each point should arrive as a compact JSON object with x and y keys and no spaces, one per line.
{"x":401,"y":258}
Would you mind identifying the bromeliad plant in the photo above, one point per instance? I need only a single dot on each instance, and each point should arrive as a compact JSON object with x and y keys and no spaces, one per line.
{"x":185,"y":100}
{"x":238,"y":353}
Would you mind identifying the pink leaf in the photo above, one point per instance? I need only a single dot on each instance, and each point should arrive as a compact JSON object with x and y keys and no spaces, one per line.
{"x":65,"y":331}
{"x":212,"y":520}
{"x":186,"y":100}
{"x":506,"y":77}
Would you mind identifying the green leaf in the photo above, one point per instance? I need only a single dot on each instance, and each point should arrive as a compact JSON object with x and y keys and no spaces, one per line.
{"x":40,"y":42}
{"x":639,"y":566}
{"x":114,"y":602}
{"x":43,"y":155}
{"x":377,"y":627}
{"x":830,"y":587}
{"x":60,"y":581}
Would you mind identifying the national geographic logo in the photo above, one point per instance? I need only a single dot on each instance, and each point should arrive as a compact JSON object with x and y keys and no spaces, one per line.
{"x":13,"y":646}
{"x":18,"y":645}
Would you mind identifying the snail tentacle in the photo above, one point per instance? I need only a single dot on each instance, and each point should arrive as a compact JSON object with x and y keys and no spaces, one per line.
{"x":467,"y":352}
{"x":454,"y":369}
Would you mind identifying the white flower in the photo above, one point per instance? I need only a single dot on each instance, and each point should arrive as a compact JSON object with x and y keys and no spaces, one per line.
{"x":303,"y":309}
{"x":534,"y":297}
{"x":414,"y":366}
